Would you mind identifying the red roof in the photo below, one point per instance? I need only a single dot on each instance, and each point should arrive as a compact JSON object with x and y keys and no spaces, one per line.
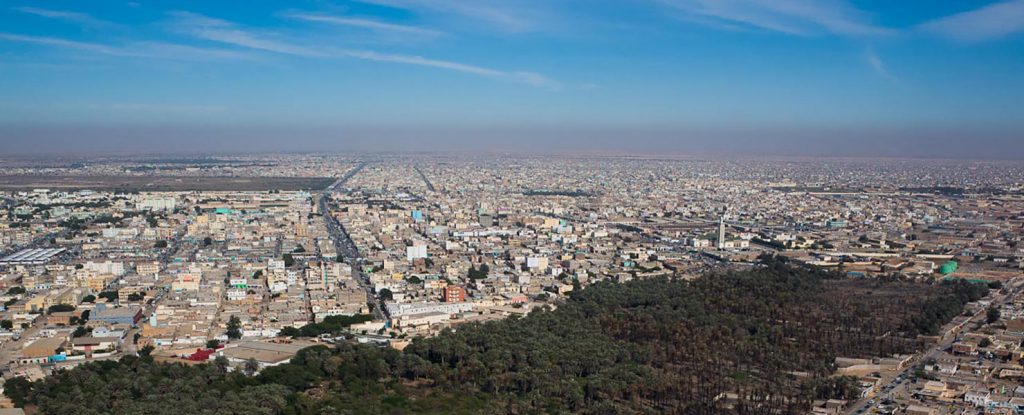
{"x":201,"y":355}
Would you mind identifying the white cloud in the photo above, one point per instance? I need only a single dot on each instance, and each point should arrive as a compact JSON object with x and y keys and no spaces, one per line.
{"x":990,"y":22}
{"x":64,"y":43}
{"x":364,"y":24}
{"x":72,"y":17}
{"x":795,"y":17}
{"x":222,"y":31}
{"x":518,"y":76}
{"x":510,"y":16}
{"x":152,"y":50}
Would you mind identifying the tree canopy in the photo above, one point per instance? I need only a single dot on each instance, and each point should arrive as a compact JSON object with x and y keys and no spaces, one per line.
{"x":234,"y":327}
{"x":647,"y":346}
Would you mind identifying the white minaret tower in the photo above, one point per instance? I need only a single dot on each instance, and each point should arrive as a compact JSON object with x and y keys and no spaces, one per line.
{"x":721,"y":232}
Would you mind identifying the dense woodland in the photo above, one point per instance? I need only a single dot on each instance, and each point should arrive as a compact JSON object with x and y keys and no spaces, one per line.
{"x":754,"y":342}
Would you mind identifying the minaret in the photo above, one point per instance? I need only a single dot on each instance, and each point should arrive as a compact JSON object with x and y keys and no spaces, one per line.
{"x":324,"y":278}
{"x":721,"y":232}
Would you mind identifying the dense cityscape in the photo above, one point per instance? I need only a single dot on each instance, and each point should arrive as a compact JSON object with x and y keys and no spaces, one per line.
{"x":244,"y":262}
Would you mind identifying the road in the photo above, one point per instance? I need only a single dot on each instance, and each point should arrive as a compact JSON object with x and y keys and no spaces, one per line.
{"x":347,"y":250}
{"x":430,"y":186}
{"x":892,"y":386}
{"x":343,"y":243}
{"x":129,"y":347}
{"x":344,"y":179}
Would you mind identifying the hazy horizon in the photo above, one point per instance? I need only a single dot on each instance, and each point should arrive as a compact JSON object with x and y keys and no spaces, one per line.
{"x":108,"y":140}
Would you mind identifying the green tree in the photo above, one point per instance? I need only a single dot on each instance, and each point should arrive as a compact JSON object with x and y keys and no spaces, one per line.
{"x":251,"y":367}
{"x":234,"y":328}
{"x":6,"y":324}
{"x":160,"y":244}
{"x":221,"y":363}
{"x":146,"y":350}
{"x":289,"y":332}
{"x":992,"y":315}
{"x":60,"y":308}
{"x":18,"y":389}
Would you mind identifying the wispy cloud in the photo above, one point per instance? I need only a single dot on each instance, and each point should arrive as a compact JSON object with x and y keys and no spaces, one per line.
{"x":364,"y":24}
{"x":795,"y":17}
{"x":71,"y":17}
{"x":64,"y":43}
{"x":517,"y":76}
{"x":993,"y":21}
{"x":510,"y":16}
{"x":217,"y":30}
{"x":222,"y":31}
{"x":151,"y":50}
{"x":876,"y":64}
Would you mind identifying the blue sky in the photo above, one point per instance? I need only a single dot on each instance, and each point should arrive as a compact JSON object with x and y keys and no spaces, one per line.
{"x":662,"y":74}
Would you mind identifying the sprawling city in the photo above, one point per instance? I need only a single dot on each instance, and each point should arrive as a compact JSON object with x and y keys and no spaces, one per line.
{"x":113,"y":260}
{"x":518,"y":207}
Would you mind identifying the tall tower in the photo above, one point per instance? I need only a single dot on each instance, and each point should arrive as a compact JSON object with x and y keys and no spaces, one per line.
{"x":721,"y":232}
{"x":325,"y":278}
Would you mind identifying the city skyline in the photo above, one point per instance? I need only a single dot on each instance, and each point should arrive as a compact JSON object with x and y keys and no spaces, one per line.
{"x":835,"y":78}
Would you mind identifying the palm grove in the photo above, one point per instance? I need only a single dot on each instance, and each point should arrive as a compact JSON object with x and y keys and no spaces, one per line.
{"x":767,"y":337}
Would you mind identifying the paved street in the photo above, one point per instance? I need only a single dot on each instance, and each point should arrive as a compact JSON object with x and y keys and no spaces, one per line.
{"x":343,"y":243}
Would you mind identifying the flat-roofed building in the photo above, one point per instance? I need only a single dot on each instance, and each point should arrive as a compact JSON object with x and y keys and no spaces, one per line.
{"x":40,"y":351}
{"x":32,"y":256}
{"x":265,"y":353}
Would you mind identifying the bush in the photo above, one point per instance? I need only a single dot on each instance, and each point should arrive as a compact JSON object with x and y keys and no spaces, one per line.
{"x":60,"y":308}
{"x":992,"y":315}
{"x":111,"y":296}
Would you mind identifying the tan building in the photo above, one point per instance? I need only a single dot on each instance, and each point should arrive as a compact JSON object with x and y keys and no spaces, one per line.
{"x":40,"y":350}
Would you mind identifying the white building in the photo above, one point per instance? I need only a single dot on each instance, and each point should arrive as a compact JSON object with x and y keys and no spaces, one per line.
{"x":403,"y":309}
{"x":157,"y":203}
{"x":415,"y":252}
